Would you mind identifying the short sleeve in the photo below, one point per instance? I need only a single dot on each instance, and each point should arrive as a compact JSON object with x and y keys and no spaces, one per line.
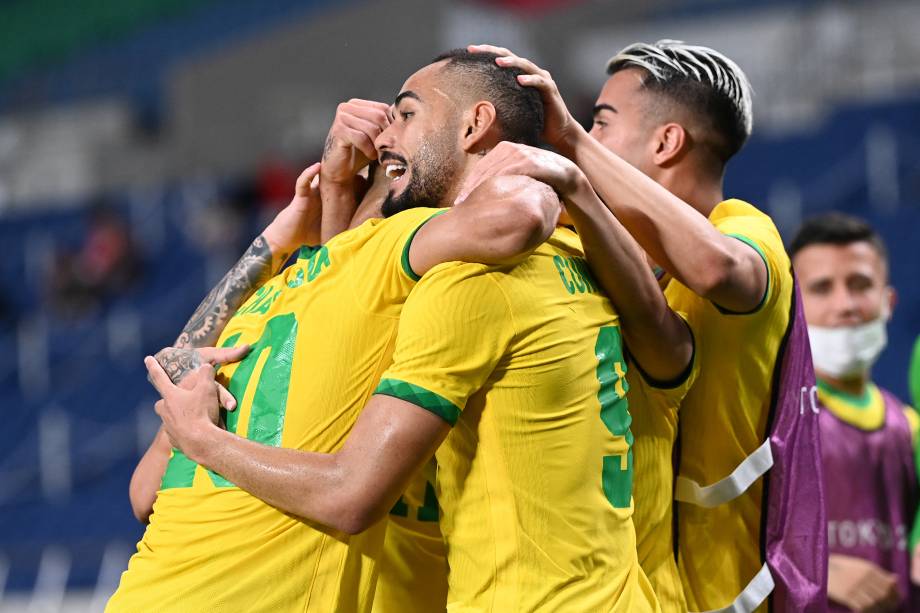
{"x":759,"y":233}
{"x":668,"y":392}
{"x":454,"y":329}
{"x":382,"y":260}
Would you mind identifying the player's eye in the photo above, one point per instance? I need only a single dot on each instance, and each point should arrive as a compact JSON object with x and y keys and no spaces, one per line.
{"x":600,"y":124}
{"x":820,"y":288}
{"x":859,"y":283}
{"x":406,"y":114}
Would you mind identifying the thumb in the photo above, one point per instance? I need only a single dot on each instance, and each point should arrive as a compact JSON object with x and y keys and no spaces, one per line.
{"x":306,"y":178}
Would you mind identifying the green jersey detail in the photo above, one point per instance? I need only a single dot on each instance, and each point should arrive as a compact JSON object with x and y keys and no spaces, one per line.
{"x":419,"y":396}
{"x":575,"y":274}
{"x":269,"y":400}
{"x":617,"y":470}
{"x":406,"y":264}
{"x":766,"y":292}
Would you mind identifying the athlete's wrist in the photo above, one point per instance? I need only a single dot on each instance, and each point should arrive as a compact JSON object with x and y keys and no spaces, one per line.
{"x":200,"y":441}
{"x":571,"y":140}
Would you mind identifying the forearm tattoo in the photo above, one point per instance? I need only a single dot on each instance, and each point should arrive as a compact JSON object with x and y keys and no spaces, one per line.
{"x":209,"y":319}
{"x":178,"y":362}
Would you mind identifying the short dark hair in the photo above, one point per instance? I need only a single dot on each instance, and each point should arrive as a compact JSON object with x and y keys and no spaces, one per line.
{"x":836,"y":229}
{"x":701,"y":80}
{"x":519,"y":109}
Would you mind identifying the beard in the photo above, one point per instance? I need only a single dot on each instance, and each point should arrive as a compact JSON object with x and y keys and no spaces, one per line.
{"x":433,"y":173}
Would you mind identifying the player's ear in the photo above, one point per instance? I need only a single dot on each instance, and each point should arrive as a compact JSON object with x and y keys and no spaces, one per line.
{"x":479,"y":127}
{"x":890,"y":301}
{"x":670,"y":142}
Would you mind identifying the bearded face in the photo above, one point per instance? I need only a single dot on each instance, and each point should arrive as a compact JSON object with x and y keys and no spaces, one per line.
{"x":422,"y":179}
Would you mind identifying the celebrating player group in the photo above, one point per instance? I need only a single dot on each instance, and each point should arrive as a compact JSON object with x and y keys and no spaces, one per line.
{"x":515,"y":366}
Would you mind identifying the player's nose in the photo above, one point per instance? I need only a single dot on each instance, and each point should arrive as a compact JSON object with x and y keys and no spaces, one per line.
{"x":845,"y":307}
{"x":385,"y":139}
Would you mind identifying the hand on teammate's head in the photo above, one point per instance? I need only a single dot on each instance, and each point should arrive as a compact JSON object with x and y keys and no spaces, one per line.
{"x":559,"y":127}
{"x":516,"y":159}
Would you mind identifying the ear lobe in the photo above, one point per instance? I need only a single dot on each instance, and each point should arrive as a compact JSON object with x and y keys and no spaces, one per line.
{"x":481,"y":127}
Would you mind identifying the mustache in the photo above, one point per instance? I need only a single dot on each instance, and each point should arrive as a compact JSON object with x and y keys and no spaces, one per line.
{"x":389,"y":155}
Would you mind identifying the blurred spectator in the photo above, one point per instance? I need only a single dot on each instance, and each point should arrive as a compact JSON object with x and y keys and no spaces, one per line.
{"x":275,"y":185}
{"x":866,"y":433}
{"x":105,"y":265}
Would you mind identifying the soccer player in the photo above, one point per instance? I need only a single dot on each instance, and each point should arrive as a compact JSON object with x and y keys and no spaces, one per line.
{"x":667,"y":121}
{"x":323,"y":328}
{"x":866,"y":432}
{"x":521,"y":370}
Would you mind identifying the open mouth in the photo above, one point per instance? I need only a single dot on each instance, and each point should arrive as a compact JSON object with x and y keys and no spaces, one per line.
{"x":395,"y":171}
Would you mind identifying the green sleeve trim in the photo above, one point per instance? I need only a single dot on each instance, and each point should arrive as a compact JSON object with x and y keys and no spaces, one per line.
{"x":766,"y":292}
{"x":419,"y":396}
{"x":306,"y":251}
{"x":406,"y":266}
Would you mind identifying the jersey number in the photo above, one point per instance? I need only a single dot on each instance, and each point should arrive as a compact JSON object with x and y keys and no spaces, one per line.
{"x":266,"y":416}
{"x":617,"y":472}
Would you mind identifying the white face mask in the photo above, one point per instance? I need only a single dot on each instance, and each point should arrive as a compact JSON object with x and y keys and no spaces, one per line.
{"x":847,"y":351}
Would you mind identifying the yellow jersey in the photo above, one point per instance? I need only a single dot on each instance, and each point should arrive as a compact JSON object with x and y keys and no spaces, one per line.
{"x":412,"y":571}
{"x":723,"y":418}
{"x":535,"y":477}
{"x":654,"y":407}
{"x":322,"y":331}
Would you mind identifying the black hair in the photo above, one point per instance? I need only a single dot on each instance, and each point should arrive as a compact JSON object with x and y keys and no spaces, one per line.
{"x":836,"y":229}
{"x":519,"y":109}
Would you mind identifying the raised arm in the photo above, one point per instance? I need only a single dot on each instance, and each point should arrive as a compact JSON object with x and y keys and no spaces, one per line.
{"x":717,"y":267}
{"x":721,"y":269}
{"x":349,"y":148}
{"x":658,"y":338}
{"x":502,"y":221}
{"x":296,"y":225}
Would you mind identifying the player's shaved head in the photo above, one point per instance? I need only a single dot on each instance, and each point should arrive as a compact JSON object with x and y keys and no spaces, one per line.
{"x":476,"y":76}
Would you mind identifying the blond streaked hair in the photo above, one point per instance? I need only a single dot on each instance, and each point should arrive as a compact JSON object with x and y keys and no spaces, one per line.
{"x":700,"y":79}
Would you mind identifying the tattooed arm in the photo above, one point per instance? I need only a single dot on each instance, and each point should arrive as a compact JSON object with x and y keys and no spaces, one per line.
{"x":257,"y":266}
{"x":296,"y":225}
